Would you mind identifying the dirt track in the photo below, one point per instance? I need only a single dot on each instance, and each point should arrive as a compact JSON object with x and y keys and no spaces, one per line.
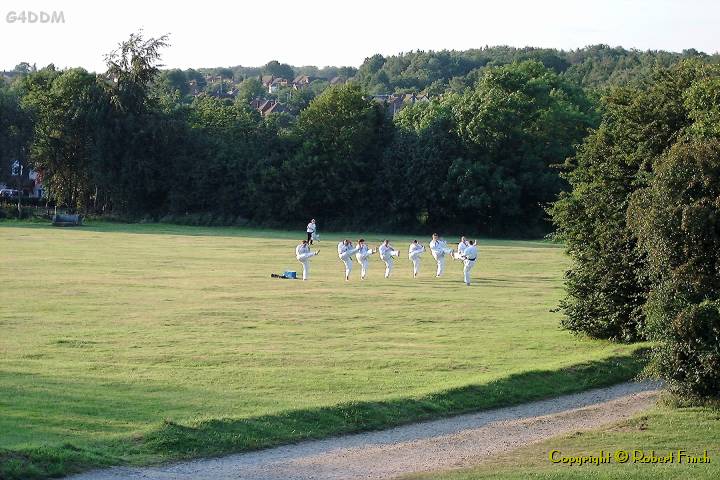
{"x":440,"y":444}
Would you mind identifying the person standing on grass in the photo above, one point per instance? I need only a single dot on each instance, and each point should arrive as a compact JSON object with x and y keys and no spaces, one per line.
{"x":439,"y":249}
{"x":469,"y":258}
{"x":345,"y":253}
{"x":363,"y":257}
{"x":303,"y":255}
{"x":311,"y":231}
{"x":460,"y":249}
{"x":387,"y":252}
{"x":414,"y":252}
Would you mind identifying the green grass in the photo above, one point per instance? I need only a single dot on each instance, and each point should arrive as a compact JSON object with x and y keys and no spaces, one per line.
{"x":135,"y":344}
{"x":664,"y":429}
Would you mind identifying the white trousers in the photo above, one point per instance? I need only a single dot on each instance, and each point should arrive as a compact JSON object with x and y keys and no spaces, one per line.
{"x":347,"y":260}
{"x":304,"y":258}
{"x":364,"y":261}
{"x":439,"y":256}
{"x":469,"y":264}
{"x":415,"y":259}
{"x":457,"y":256}
{"x":440,"y":259}
{"x":388,"y":259}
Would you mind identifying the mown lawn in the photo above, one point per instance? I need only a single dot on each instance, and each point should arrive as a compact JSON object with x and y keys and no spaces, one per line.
{"x":662,"y":430}
{"x":146,"y":343}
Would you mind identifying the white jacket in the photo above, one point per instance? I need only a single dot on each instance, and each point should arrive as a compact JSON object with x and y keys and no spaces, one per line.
{"x":415,"y":248}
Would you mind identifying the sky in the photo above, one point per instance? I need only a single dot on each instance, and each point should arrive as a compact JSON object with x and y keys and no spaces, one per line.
{"x":343,"y":32}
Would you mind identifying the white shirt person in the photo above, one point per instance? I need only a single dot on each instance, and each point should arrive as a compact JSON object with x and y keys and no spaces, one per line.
{"x":387,"y":252}
{"x":363,"y":257}
{"x":303,"y":255}
{"x":345,"y":253}
{"x":415,"y":250}
{"x":469,"y":259}
{"x":462,"y":245}
{"x":311,"y":231}
{"x":439,"y":249}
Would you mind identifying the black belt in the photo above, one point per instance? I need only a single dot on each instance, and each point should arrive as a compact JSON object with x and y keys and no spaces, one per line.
{"x":472,"y":259}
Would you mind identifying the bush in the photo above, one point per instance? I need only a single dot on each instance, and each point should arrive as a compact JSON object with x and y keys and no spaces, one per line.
{"x":688,"y":358}
{"x":610,"y":279}
{"x":677,"y":222}
{"x":11,"y":211}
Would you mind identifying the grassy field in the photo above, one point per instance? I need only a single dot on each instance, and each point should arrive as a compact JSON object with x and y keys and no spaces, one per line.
{"x":146,"y":343}
{"x":662,"y":430}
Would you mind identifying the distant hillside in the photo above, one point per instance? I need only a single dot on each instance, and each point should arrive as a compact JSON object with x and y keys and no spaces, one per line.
{"x":436,"y":71}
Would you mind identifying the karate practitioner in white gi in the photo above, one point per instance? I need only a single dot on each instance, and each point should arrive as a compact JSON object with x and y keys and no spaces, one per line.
{"x":345,"y":253}
{"x":458,"y":255}
{"x":414,"y":252}
{"x":439,"y":249}
{"x":303,"y":255}
{"x":311,"y":231}
{"x":363,"y":257}
{"x":469,"y":259}
{"x":387,"y":252}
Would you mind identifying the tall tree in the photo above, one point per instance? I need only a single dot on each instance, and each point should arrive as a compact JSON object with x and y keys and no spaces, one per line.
{"x":607,"y":286}
{"x":68,"y":108}
{"x":338,"y":138}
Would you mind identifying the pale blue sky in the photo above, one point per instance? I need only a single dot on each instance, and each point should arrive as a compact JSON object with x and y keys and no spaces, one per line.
{"x":341,"y":32}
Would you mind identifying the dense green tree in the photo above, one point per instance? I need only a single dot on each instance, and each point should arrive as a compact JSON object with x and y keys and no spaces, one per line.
{"x":517,"y":123}
{"x":249,"y":88}
{"x":607,"y":286}
{"x":131,"y":68}
{"x":337,"y":158}
{"x":677,"y":221}
{"x":192,"y":74}
{"x":173,"y":80}
{"x":67,"y":109}
{"x":414,"y":172}
{"x":277,"y":69}
{"x":15,"y":131}
{"x":230,"y":145}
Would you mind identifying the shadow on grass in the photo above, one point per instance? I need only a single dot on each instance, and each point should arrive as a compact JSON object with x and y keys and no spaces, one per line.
{"x":172,"y":441}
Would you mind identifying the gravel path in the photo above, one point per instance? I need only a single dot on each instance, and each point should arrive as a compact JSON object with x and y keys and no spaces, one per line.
{"x":440,"y":444}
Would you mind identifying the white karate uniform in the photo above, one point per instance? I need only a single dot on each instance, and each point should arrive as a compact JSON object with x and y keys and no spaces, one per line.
{"x":303,"y":254}
{"x":439,"y":249}
{"x":312,"y":229}
{"x":471,"y":254}
{"x":460,"y":251}
{"x":363,"y":256}
{"x":414,"y":252}
{"x":386,"y":255}
{"x":345,"y":253}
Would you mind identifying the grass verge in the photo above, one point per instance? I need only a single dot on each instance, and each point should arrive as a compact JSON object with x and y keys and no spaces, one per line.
{"x":172,"y":441}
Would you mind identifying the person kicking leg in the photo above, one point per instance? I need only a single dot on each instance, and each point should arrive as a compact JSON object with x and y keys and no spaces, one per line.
{"x":363,"y":257}
{"x":414,"y":252}
{"x":470,"y":257}
{"x":387,"y":252}
{"x":462,"y":245}
{"x":345,"y":253}
{"x":439,"y":249}
{"x":303,"y":255}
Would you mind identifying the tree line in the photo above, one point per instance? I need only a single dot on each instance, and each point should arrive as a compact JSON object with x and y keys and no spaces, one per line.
{"x":641,"y":221}
{"x":434,"y":72}
{"x":119,"y":143}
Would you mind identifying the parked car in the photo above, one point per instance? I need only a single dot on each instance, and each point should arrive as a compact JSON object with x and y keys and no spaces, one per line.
{"x":8,"y":193}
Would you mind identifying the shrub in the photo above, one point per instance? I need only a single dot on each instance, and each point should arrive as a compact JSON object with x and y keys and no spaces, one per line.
{"x":677,"y":222}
